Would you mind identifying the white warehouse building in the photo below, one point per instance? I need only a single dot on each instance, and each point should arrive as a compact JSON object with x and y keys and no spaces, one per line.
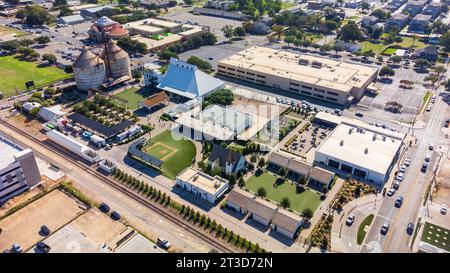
{"x":202,"y":185}
{"x":366,"y":152}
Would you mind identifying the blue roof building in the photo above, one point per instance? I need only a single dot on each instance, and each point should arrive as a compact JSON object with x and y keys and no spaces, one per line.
{"x":188,"y":81}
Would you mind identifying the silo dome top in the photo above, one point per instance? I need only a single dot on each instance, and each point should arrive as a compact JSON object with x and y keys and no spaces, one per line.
{"x":87,"y":59}
{"x":113,"y":52}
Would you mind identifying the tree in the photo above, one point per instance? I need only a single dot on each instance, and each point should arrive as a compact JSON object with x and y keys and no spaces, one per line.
{"x":444,"y":41}
{"x":289,"y":40}
{"x":396,"y":59}
{"x":239,"y":32}
{"x":282,"y":171}
{"x":261,"y":192}
{"x":222,"y":96}
{"x":49,"y":58}
{"x":285,"y":202}
{"x":68,"y":69}
{"x":261,"y":162}
{"x":422,"y":63}
{"x":42,"y":40}
{"x":241,"y":182}
{"x":365,"y":5}
{"x":202,"y":64}
{"x":439,"y":69}
{"x":253,"y":158}
{"x":431,"y":78}
{"x":386,"y":71}
{"x":166,"y":54}
{"x":398,"y":39}
{"x":350,"y":32}
{"x":277,"y":30}
{"x":136,"y":74}
{"x":36,"y":15}
{"x":188,"y":2}
{"x":65,"y":10}
{"x":307,"y":213}
{"x":337,"y":48}
{"x":228,"y":31}
{"x":26,"y":42}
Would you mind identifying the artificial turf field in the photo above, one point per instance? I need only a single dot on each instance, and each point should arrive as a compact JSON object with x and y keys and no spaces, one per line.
{"x":14,"y":73}
{"x":436,"y":235}
{"x":176,"y":154}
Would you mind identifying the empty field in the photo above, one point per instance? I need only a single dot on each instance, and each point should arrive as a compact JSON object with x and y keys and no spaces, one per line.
{"x":14,"y":73}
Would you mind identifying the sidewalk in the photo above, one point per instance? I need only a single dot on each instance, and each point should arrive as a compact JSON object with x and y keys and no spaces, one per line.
{"x":324,"y":206}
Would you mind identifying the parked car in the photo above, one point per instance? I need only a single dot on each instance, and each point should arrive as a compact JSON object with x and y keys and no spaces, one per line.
{"x":407,"y":162}
{"x":115,"y":215}
{"x":359,"y":114}
{"x":396,"y":185}
{"x":163,"y":243}
{"x":43,"y":247}
{"x":350,"y":220}
{"x":399,"y":176}
{"x":45,"y":231}
{"x":403,"y":168}
{"x":104,"y":208}
{"x":444,"y":209}
{"x":410,"y":228}
{"x":431,"y":146}
{"x":16,"y":248}
{"x":384,"y":229}
{"x":391,"y":192}
{"x":398,"y":202}
{"x":427,"y":158}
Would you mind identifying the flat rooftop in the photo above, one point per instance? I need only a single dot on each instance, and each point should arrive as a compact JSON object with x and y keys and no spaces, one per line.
{"x":151,"y":43}
{"x":8,"y":151}
{"x":366,"y":147}
{"x":210,"y":184}
{"x":153,"y":22}
{"x":318,"y":71}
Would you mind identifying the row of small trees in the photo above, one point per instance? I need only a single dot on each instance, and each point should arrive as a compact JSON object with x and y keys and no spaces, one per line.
{"x":189,"y":214}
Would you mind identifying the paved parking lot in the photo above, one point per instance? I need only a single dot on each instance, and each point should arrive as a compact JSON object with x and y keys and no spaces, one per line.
{"x":411,"y":99}
{"x":53,"y":210}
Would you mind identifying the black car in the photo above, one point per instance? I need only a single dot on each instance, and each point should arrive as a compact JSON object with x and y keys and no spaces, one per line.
{"x":104,"y":208}
{"x":410,"y":228}
{"x":398,"y":202}
{"x":45,"y":231}
{"x":43,"y":247}
{"x":384,"y":229}
{"x":446,"y":123}
{"x":115,"y":215}
{"x":424,"y":167}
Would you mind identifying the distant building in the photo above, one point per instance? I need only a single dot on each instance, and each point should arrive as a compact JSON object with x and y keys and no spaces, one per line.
{"x":154,"y":101}
{"x":18,"y":170}
{"x":202,"y":185}
{"x":434,"y":9}
{"x":368,"y":21}
{"x":419,"y":23}
{"x":155,"y":3}
{"x":51,"y":113}
{"x":398,"y":21}
{"x":229,"y":161}
{"x":430,"y":53}
{"x":186,"y":80}
{"x":217,"y":4}
{"x":286,"y":223}
{"x":91,"y":12}
{"x":259,"y":28}
{"x":105,"y":28}
{"x":415,"y":7}
{"x":71,"y":20}
{"x":221,"y":13}
{"x":28,"y":106}
{"x":353,"y":4}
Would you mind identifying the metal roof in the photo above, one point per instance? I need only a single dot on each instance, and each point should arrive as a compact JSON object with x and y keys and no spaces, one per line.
{"x":101,"y":129}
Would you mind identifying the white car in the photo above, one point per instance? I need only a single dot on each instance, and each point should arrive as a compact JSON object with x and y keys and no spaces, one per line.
{"x":431,"y":147}
{"x":403,"y":168}
{"x":407,"y":162}
{"x":444,"y":209}
{"x":399,"y":176}
{"x":350,"y":219}
{"x":163,"y":243}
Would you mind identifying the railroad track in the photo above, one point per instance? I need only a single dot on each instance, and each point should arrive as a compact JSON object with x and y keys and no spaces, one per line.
{"x":135,"y":196}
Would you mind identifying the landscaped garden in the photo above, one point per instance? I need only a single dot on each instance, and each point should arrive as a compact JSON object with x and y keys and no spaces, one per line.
{"x":362,"y":228}
{"x":321,"y":234}
{"x":104,"y":110}
{"x":176,"y":154}
{"x":277,"y":189}
{"x":350,"y":190}
{"x":14,"y":73}
{"x":436,"y":236}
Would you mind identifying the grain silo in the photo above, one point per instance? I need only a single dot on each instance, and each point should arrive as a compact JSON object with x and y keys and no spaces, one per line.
{"x":89,"y":70}
{"x":116,"y":60}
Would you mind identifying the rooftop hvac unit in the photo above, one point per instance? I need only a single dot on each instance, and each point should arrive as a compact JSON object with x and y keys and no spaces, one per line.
{"x":216,"y":185}
{"x":195,"y":177}
{"x":366,"y":150}
{"x":384,"y":138}
{"x":303,"y":61}
{"x":341,"y":143}
{"x":374,"y":137}
{"x":350,"y":130}
{"x":316,"y":64}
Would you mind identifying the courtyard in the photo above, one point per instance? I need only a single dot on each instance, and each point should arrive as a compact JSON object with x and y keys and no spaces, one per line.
{"x":176,"y":154}
{"x":14,"y":73}
{"x":276,"y":191}
{"x":133,"y":96}
{"x":436,"y":236}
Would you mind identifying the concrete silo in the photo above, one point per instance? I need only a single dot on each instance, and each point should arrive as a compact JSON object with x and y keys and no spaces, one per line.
{"x":116,"y":60}
{"x":89,"y":70}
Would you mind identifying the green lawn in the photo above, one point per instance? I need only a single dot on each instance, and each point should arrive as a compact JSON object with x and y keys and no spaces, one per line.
{"x":378,"y":48}
{"x":436,"y":236}
{"x":178,"y":161}
{"x":389,"y":51}
{"x":14,"y":73}
{"x":425,"y":99}
{"x":133,"y":97}
{"x":361,"y":232}
{"x":4,"y":30}
{"x":236,"y":147}
{"x":299,"y":202}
